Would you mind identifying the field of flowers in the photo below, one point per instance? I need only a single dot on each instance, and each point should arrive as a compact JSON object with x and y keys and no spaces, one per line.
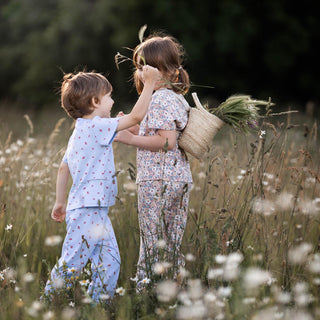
{"x":251,"y":243}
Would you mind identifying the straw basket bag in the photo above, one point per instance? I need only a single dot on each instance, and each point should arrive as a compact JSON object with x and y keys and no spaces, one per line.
{"x":198,"y":134}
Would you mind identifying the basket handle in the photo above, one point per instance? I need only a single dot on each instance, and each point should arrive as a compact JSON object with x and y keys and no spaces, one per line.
{"x":197,"y":102}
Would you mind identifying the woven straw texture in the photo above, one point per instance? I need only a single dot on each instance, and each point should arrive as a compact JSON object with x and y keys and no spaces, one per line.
{"x":200,"y":130}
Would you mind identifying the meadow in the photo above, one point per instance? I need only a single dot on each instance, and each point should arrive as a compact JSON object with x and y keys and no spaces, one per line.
{"x":251,"y":243}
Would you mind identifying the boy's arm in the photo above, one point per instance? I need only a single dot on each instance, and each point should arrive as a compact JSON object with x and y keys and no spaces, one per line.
{"x":59,"y":209}
{"x":151,"y":76}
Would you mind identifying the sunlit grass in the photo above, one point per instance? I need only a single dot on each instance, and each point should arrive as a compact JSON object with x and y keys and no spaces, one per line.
{"x":251,"y":243}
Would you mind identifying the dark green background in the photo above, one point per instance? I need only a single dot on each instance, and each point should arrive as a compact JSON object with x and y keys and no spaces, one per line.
{"x":262,"y":48}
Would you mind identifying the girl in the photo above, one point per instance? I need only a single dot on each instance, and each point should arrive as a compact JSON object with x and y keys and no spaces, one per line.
{"x":163,"y":172}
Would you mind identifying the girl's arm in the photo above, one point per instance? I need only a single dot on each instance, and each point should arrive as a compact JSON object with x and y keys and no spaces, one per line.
{"x":151,"y":143}
{"x":59,"y":209}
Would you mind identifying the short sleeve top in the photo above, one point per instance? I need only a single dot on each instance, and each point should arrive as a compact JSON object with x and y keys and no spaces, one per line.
{"x":89,"y":156}
{"x":167,"y":111}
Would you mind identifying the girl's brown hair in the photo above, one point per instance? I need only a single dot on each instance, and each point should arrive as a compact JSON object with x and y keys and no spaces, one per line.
{"x":166,"y":54}
{"x":77,"y":91}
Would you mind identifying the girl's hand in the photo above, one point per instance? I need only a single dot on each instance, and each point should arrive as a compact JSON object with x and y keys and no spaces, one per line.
{"x":58,"y":212}
{"x":124,"y":136}
{"x":134,"y":129}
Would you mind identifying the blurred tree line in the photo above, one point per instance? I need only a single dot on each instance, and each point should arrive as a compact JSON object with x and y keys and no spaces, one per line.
{"x":263,"y":48}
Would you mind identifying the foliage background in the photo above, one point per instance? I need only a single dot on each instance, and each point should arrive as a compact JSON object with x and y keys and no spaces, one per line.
{"x":263,"y":48}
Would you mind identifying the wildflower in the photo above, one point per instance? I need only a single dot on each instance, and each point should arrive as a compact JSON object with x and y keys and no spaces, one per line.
{"x":87,"y":271}
{"x":104,"y":297}
{"x":183,"y":272}
{"x":262,"y":133}
{"x":210,"y":297}
{"x":84,"y":283}
{"x":196,"y":311}
{"x":190,"y":257}
{"x":161,"y":267}
{"x":86,"y":300}
{"x":255,"y":277}
{"x":201,"y":175}
{"x":262,"y":206}
{"x":48,"y":315}
{"x":72,"y":304}
{"x":299,"y":254}
{"x":145,"y":281}
{"x":195,"y":290}
{"x":283,"y":297}
{"x":161,"y":244}
{"x":184,"y":298}
{"x":97,"y":231}
{"x":314,"y":263}
{"x":9,"y":274}
{"x":8,"y":227}
{"x":219,"y":258}
{"x":120,"y":291}
{"x":229,"y":242}
{"x":304,"y":299}
{"x":269,"y":176}
{"x":231,"y":266}
{"x":58,"y":283}
{"x":130,"y":186}
{"x":53,"y":240}
{"x":19,"y":303}
{"x":28,"y":277}
{"x":166,"y":290}
{"x":34,"y":309}
{"x":214,"y":273}
{"x":224,"y":291}
{"x":285,"y":201}
{"x":308,"y":207}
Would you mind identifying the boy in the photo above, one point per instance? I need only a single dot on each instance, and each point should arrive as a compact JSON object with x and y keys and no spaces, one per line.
{"x":86,"y":97}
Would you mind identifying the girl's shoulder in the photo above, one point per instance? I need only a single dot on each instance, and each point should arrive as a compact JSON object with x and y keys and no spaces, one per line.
{"x":167,"y":95}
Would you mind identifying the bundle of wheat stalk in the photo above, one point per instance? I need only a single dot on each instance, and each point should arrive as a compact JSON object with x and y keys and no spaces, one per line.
{"x":238,"y":111}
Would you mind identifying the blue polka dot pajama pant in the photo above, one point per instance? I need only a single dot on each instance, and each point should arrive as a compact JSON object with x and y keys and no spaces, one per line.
{"x":90,"y":236}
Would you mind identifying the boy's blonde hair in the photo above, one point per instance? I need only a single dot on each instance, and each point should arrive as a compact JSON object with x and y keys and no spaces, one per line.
{"x":78,"y":90}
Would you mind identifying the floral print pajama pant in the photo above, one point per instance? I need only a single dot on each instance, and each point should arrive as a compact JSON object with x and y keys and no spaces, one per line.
{"x":163,"y":209}
{"x":90,"y":236}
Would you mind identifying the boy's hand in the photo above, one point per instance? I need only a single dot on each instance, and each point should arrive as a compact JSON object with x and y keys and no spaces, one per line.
{"x":150,"y":74}
{"x":58,"y":212}
{"x":120,"y":114}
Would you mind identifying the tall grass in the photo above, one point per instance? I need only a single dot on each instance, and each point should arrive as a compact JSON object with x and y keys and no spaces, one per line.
{"x":251,"y":242}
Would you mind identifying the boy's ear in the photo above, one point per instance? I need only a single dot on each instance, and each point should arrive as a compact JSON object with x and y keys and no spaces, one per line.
{"x":95,"y":102}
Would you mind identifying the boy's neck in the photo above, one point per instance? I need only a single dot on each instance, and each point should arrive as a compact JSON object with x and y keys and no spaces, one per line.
{"x":88,"y":116}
